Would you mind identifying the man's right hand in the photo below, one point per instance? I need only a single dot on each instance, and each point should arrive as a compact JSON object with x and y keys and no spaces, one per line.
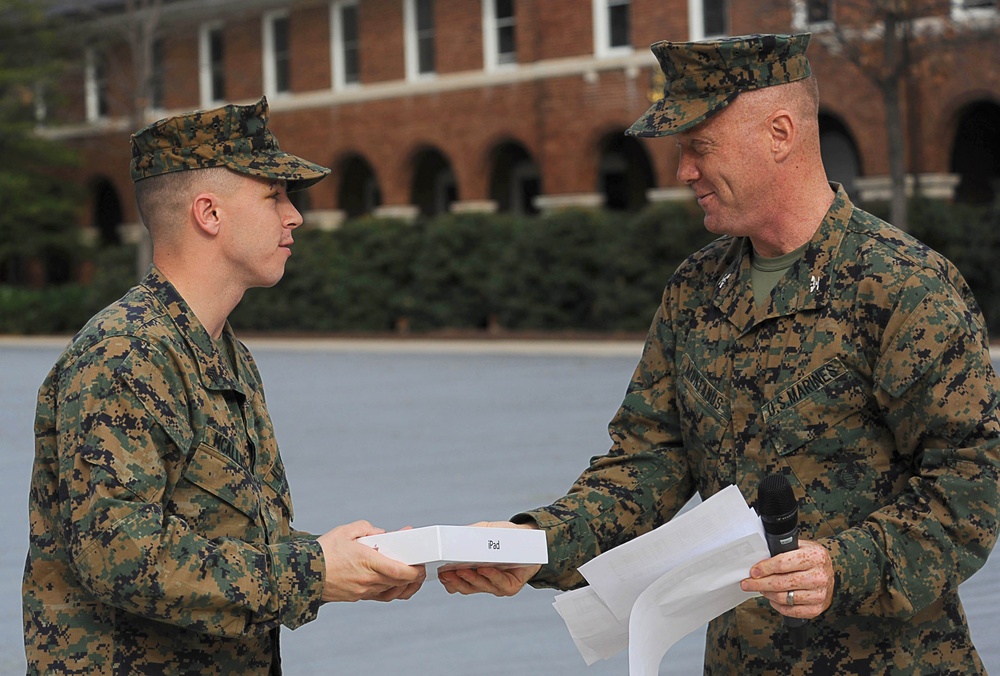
{"x":356,"y":572}
{"x":486,"y":580}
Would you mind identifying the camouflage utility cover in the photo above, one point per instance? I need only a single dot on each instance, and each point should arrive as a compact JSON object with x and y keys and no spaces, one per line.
{"x":233,"y":136}
{"x":702,"y":78}
{"x":865,"y":378}
{"x":160,"y":538}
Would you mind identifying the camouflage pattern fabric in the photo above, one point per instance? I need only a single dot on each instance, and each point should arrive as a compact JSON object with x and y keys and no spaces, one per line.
{"x":232,"y":136}
{"x":160,"y":537}
{"x":702,"y":78}
{"x":865,"y":378}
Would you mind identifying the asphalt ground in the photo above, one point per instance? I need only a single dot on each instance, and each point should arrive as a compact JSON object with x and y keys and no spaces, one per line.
{"x":414,"y":432}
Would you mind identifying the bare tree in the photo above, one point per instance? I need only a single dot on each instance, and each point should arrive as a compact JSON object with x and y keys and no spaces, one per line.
{"x":891,"y":42}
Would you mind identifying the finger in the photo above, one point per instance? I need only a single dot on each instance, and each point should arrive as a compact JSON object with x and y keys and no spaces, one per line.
{"x":800,"y":598}
{"x":455,"y":584}
{"x":398,"y":592}
{"x":358,"y":529}
{"x":393,"y":571}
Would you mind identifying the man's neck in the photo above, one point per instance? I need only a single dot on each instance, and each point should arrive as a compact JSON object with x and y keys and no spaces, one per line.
{"x":797,"y":220}
{"x":211,"y":299}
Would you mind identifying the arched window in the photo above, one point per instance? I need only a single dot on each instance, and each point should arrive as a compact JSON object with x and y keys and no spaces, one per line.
{"x":625,"y":173}
{"x":359,"y":193}
{"x":107,"y":211}
{"x":840,"y":152}
{"x":433,"y":188}
{"x":515,"y":181}
{"x":975,"y":157}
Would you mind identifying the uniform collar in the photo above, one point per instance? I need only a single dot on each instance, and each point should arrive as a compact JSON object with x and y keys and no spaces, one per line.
{"x":805,"y":286}
{"x":213,"y":365}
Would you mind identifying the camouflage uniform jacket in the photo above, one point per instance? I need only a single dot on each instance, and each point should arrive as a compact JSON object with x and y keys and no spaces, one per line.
{"x":866,"y":379}
{"x":159,"y":511}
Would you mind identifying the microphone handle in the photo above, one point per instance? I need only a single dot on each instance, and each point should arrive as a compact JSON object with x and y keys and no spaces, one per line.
{"x":779,"y":544}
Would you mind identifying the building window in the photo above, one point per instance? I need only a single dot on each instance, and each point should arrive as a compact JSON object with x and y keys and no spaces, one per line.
{"x":819,"y":11}
{"x":277,"y":70}
{"x":499,"y":36}
{"x":612,"y":27}
{"x":211,"y":65}
{"x":974,"y":9}
{"x":709,"y":18}
{"x":156,"y":75}
{"x":95,"y":85}
{"x":419,"y":19}
{"x":346,"y":43}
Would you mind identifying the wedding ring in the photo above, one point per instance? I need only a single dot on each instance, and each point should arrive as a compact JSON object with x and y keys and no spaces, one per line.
{"x":790,"y":598}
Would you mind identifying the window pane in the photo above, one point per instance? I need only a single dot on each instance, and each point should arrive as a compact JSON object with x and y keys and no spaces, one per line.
{"x":425,"y":36}
{"x":505,"y":38}
{"x":715,"y":17}
{"x":349,"y":23}
{"x":819,"y":11}
{"x":618,"y":22}
{"x":504,"y":9}
{"x":425,"y":15}
{"x":281,"y":56}
{"x":352,"y":67}
{"x":217,"y":57}
{"x":349,"y":44}
{"x":426,"y":55}
{"x":101,"y":84}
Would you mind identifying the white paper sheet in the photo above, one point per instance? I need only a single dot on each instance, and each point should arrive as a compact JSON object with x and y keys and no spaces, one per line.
{"x":621,"y":574}
{"x":594,"y":629}
{"x":666,"y":583}
{"x":686,"y":598}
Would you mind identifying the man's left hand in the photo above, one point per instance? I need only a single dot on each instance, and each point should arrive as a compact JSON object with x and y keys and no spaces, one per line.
{"x":807,"y":572}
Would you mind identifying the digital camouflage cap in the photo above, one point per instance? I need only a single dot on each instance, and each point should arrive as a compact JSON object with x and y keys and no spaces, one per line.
{"x":702,"y":78}
{"x":233,"y":136}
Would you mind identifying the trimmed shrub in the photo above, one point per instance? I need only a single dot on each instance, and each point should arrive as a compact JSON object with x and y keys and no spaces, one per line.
{"x":579,"y":270}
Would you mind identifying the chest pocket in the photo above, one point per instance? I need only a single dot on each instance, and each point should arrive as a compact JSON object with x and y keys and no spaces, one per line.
{"x":217,"y":496}
{"x":705,"y":423}
{"x":813,"y":414}
{"x":829,"y":435}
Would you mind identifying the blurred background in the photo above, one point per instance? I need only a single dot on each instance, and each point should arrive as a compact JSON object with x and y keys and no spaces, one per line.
{"x":481,"y":178}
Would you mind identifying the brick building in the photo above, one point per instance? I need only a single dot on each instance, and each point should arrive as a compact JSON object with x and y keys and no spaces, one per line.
{"x":426,"y":106}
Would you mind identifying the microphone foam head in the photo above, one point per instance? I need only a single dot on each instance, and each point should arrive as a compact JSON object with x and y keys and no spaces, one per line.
{"x":775,"y":496}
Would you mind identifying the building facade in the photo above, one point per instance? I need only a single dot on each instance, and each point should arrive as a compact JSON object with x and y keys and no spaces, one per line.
{"x":428,"y":106}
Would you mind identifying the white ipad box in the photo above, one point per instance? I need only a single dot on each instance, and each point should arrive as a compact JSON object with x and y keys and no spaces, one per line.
{"x":462,"y":546}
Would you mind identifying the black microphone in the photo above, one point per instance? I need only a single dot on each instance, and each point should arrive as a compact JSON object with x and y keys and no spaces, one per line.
{"x":780,"y":515}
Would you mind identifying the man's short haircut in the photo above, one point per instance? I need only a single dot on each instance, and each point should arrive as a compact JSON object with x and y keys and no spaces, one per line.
{"x":163,"y":199}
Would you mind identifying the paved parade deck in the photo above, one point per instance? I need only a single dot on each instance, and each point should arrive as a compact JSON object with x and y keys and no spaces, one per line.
{"x":414,"y":432}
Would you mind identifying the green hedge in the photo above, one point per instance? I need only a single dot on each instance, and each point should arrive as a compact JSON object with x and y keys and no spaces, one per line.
{"x":571,"y":270}
{"x":577,"y":270}
{"x":65,"y":308}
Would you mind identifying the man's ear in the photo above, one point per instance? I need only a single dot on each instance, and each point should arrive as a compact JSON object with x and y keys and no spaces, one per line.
{"x":781,"y":127}
{"x":205,"y":211}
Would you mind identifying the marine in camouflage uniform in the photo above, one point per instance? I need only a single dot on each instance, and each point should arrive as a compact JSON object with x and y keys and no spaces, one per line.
{"x":160,"y":536}
{"x":864,"y":378}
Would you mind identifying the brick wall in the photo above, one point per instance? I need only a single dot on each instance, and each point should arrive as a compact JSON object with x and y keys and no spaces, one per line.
{"x":560,"y":116}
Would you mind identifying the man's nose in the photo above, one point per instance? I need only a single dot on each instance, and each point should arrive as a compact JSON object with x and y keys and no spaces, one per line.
{"x":687,"y":171}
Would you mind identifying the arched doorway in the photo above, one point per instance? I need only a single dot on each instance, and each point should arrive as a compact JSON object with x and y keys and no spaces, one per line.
{"x":975,"y":157}
{"x":107,"y":211}
{"x":515,"y":181}
{"x":625,"y":173}
{"x":840,"y":152}
{"x":433,"y":187}
{"x":359,"y":193}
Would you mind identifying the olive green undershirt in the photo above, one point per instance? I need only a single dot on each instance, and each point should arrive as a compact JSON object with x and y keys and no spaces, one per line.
{"x":765,"y":272}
